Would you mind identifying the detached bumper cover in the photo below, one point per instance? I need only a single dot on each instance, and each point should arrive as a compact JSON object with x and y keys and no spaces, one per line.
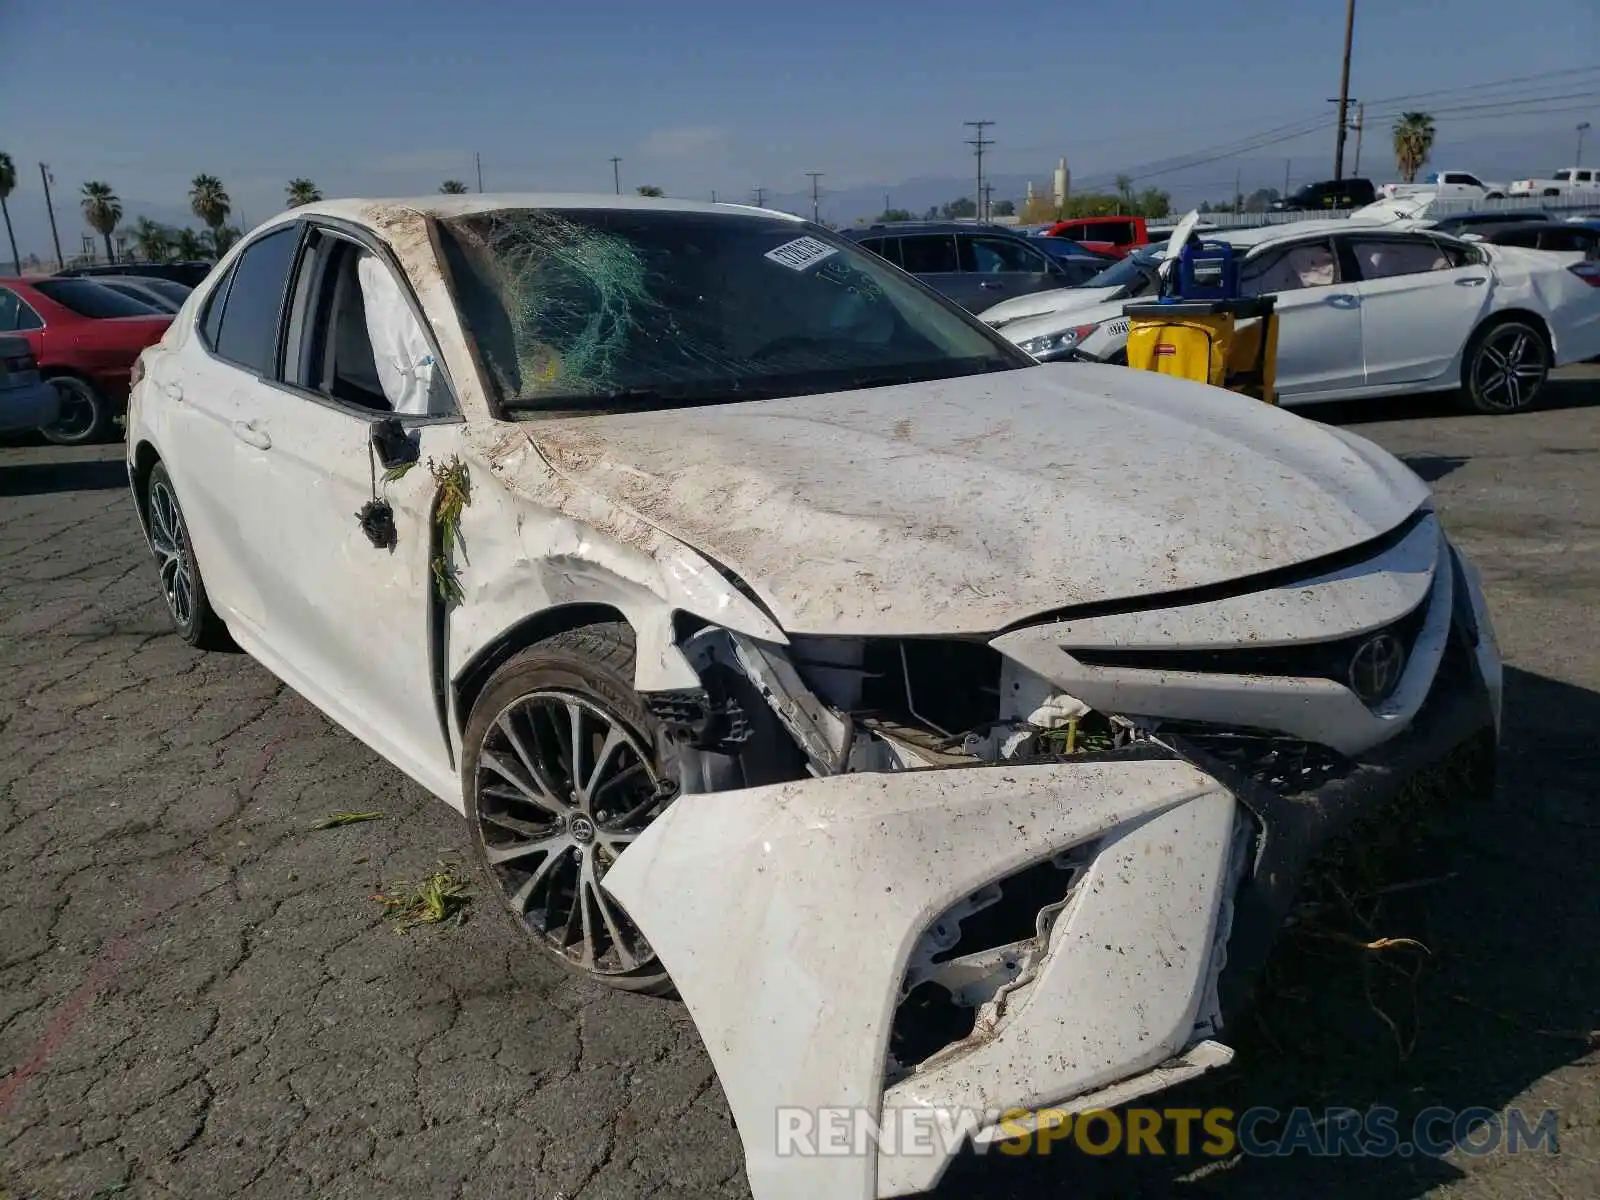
{"x":787,"y":914}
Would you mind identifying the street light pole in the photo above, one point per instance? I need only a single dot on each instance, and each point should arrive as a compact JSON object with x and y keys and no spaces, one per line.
{"x":1344,"y":90}
{"x":1583,"y":128}
{"x":44,"y":174}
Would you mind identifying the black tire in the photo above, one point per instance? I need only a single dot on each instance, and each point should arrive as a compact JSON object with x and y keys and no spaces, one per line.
{"x":86,"y":415}
{"x":1494,"y":196}
{"x":1502,"y":348}
{"x":182,"y":589}
{"x":590,"y":668}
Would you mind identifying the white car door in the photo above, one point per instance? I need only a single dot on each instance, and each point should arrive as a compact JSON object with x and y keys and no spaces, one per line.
{"x":350,"y":615}
{"x":200,"y":392}
{"x":1319,"y":317}
{"x":1420,"y":301}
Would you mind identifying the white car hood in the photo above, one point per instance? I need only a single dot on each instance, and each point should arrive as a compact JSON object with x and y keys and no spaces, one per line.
{"x":970,"y":504}
{"x":1059,"y":300}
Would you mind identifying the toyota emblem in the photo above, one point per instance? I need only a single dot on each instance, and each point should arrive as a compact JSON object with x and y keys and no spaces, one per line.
{"x":1375,"y":668}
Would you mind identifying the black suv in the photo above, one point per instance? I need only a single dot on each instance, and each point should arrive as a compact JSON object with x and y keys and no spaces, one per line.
{"x":1328,"y":194}
{"x":975,"y":265}
{"x":190,"y":274}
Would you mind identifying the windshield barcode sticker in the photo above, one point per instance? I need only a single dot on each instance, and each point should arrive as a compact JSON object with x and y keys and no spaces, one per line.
{"x":801,"y":254}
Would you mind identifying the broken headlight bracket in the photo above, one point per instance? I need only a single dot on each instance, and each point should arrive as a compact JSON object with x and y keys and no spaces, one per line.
{"x":700,"y":719}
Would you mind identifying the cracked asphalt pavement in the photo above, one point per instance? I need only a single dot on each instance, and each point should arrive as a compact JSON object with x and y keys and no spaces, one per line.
{"x":199,"y":996}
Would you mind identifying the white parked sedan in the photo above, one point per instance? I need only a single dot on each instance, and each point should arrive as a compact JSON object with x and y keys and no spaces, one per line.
{"x":1375,"y":310}
{"x":951,"y":727}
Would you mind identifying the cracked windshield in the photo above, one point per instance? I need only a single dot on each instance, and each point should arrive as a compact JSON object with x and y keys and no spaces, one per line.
{"x":622,"y":309}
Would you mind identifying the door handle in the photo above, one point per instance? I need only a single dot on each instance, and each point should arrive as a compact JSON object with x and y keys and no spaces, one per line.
{"x":174,"y":391}
{"x":247,"y":433}
{"x":1473,"y":281}
{"x":1344,"y":300}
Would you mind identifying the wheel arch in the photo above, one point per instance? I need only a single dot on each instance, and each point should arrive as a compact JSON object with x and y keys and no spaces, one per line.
{"x":145,"y":457}
{"x":1526,"y":315}
{"x":470,"y":680}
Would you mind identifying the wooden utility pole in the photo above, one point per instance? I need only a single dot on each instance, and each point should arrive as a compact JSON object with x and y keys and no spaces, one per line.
{"x":1344,"y":90}
{"x":1361,"y":123}
{"x":979,"y":144}
{"x":477,"y":161}
{"x":814,"y":176}
{"x":616,"y":173}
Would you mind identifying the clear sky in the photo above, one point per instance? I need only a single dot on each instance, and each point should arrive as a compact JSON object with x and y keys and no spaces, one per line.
{"x":392,"y":97}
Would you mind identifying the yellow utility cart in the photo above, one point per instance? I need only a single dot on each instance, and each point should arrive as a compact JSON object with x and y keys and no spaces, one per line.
{"x":1229,"y":344}
{"x":1201,"y":328}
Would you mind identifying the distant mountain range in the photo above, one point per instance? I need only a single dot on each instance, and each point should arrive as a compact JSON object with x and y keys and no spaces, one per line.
{"x":1500,"y":157}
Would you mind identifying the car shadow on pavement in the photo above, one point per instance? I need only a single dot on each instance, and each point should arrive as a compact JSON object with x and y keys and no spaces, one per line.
{"x":38,"y":479}
{"x":1431,"y":468}
{"x":1504,"y":898}
{"x":1558,"y":394}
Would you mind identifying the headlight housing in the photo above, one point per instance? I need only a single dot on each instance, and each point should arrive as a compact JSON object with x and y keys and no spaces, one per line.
{"x":1057,"y":343}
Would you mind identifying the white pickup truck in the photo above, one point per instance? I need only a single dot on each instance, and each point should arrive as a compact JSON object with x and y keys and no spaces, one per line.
{"x":1447,"y":185}
{"x":1582,"y":182}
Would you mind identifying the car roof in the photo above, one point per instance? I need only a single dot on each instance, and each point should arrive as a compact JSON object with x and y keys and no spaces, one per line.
{"x":1261,"y":235}
{"x":372,"y":210}
{"x":881,"y":227}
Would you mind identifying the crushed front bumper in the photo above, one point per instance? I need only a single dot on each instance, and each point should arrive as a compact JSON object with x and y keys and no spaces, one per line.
{"x":787,"y":914}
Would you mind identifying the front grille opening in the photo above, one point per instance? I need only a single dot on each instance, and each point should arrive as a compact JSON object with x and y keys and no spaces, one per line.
{"x":951,"y":685}
{"x":1286,"y":765}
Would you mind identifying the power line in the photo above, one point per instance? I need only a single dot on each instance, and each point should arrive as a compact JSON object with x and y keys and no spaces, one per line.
{"x":1232,"y":150}
{"x":978,"y":148}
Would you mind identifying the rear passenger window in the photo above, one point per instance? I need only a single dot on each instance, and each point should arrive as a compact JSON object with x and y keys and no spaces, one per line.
{"x":211,"y":321}
{"x":1386,"y":259}
{"x":248,"y":330}
{"x":16,"y":315}
{"x":932,"y":254}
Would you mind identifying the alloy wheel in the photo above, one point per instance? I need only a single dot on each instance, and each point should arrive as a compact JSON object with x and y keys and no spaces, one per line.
{"x":1510,"y":368}
{"x":171,"y":543}
{"x":563,"y":787}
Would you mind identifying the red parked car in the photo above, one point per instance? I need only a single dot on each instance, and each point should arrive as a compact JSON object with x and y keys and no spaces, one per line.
{"x":1114,"y":236}
{"x":86,"y":338}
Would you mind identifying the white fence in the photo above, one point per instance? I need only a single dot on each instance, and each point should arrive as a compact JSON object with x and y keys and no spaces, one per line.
{"x":1555,"y":205}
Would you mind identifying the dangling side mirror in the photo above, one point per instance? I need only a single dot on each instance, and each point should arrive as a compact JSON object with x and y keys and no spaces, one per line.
{"x":394,"y":447}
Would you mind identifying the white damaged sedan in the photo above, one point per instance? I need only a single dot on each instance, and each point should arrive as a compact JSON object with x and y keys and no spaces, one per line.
{"x":948,"y":730}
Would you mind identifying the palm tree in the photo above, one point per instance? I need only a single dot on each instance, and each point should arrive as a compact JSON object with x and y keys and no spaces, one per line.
{"x":210,"y":203}
{"x":302,"y":191}
{"x":453,"y":187}
{"x":649,"y":190}
{"x":189,"y":245}
{"x":102,"y":210}
{"x":154,"y":241}
{"x":8,"y":184}
{"x":222,"y":237}
{"x":1413,"y":139}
